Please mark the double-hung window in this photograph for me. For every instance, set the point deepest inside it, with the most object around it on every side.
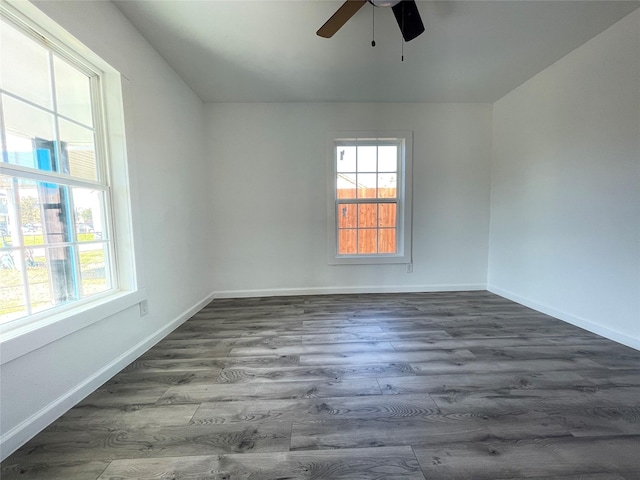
(56, 234)
(370, 198)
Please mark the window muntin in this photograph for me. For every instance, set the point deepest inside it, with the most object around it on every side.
(56, 246)
(369, 194)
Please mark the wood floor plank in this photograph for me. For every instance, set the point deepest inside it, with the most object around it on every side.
(286, 330)
(539, 400)
(426, 430)
(311, 372)
(308, 349)
(58, 470)
(183, 468)
(231, 392)
(178, 365)
(203, 341)
(487, 366)
(130, 416)
(210, 364)
(213, 334)
(114, 395)
(370, 464)
(495, 330)
(497, 459)
(78, 443)
(599, 421)
(613, 378)
(444, 385)
(579, 476)
(378, 336)
(472, 382)
(164, 352)
(599, 353)
(162, 379)
(364, 407)
(363, 358)
(532, 340)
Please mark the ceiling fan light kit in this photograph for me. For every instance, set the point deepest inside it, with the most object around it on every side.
(405, 11)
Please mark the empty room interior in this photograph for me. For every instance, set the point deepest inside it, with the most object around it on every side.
(236, 246)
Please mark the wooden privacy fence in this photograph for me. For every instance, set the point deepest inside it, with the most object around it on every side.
(367, 228)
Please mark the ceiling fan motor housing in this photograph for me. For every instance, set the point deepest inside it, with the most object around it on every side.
(384, 3)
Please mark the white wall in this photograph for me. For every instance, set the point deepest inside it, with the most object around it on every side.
(565, 206)
(270, 181)
(167, 135)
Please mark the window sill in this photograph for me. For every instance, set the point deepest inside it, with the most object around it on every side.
(17, 341)
(369, 260)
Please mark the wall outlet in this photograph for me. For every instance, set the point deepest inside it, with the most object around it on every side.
(144, 308)
(409, 267)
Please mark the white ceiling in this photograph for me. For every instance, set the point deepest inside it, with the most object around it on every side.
(267, 50)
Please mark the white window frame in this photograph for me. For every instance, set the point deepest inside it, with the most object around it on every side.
(21, 336)
(404, 139)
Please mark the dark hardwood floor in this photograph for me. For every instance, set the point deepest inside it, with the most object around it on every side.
(463, 385)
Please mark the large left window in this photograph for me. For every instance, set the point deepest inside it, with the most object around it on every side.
(56, 235)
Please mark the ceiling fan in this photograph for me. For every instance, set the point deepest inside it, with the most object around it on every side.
(405, 11)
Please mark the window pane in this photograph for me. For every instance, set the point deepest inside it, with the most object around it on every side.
(24, 66)
(8, 213)
(387, 185)
(88, 214)
(387, 215)
(388, 158)
(30, 133)
(346, 185)
(347, 216)
(347, 241)
(38, 274)
(79, 148)
(346, 159)
(367, 185)
(387, 240)
(57, 219)
(30, 213)
(367, 215)
(73, 92)
(62, 267)
(12, 300)
(93, 269)
(367, 240)
(367, 159)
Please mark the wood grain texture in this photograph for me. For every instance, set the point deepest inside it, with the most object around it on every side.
(451, 385)
(398, 463)
(58, 470)
(225, 392)
(544, 457)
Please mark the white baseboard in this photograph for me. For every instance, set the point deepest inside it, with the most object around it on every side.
(286, 292)
(23, 432)
(569, 318)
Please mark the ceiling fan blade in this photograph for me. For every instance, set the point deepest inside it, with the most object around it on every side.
(408, 18)
(338, 19)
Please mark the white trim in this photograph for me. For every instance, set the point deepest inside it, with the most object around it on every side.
(19, 341)
(569, 318)
(275, 292)
(23, 432)
(51, 177)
